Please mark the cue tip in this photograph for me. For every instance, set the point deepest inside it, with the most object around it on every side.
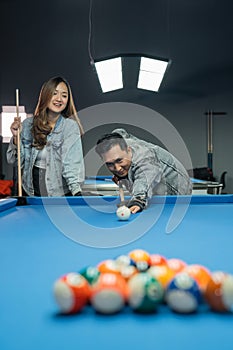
(122, 204)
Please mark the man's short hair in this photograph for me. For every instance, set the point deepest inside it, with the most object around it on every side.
(107, 141)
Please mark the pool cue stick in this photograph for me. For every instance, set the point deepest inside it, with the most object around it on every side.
(210, 148)
(121, 192)
(18, 147)
(122, 195)
(210, 140)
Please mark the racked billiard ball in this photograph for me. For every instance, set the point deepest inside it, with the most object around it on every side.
(219, 292)
(157, 259)
(177, 265)
(71, 293)
(139, 255)
(200, 273)
(90, 273)
(125, 266)
(128, 271)
(145, 293)
(108, 265)
(227, 289)
(123, 260)
(162, 273)
(183, 294)
(109, 293)
(142, 266)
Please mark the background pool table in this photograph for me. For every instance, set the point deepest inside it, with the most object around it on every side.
(104, 185)
(47, 238)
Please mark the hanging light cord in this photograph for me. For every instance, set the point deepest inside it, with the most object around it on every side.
(168, 27)
(90, 33)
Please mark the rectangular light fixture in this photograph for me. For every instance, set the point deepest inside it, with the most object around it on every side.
(109, 73)
(6, 119)
(151, 73)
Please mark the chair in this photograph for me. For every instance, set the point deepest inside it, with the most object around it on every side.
(214, 188)
(203, 173)
(223, 179)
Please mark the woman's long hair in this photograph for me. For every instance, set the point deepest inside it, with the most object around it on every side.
(41, 127)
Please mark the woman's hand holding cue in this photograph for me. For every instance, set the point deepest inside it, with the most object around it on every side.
(15, 126)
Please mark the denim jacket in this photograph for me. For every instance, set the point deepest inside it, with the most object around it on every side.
(64, 163)
(154, 171)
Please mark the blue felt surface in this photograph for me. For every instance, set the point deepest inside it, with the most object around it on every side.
(34, 253)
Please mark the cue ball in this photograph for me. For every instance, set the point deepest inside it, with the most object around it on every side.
(123, 213)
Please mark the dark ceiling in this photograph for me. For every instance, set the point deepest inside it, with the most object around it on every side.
(50, 37)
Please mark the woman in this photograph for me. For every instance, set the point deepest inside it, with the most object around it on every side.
(50, 144)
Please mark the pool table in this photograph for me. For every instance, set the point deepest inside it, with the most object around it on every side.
(49, 237)
(103, 185)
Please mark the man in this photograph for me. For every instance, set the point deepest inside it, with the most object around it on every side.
(143, 168)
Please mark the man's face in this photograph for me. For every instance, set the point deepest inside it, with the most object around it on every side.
(118, 161)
